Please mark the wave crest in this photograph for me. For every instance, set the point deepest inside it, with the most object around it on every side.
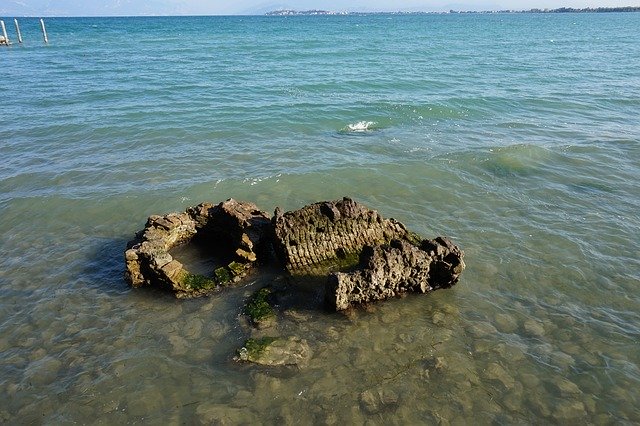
(361, 126)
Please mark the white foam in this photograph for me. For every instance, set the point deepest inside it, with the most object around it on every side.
(360, 126)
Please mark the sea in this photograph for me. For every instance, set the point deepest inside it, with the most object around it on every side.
(516, 135)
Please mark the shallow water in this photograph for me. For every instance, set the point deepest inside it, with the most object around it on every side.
(516, 135)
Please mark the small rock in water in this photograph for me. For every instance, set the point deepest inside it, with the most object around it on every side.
(540, 407)
(374, 401)
(566, 387)
(180, 345)
(495, 372)
(438, 318)
(562, 360)
(144, 402)
(509, 352)
(534, 328)
(483, 329)
(193, 329)
(441, 363)
(270, 351)
(505, 323)
(220, 414)
(567, 410)
(43, 371)
(297, 316)
(530, 381)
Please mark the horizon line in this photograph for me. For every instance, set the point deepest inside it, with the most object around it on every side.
(274, 13)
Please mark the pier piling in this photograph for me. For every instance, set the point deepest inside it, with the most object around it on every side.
(15, 21)
(5, 37)
(44, 31)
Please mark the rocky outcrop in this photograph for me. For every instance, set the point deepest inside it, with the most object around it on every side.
(341, 251)
(382, 257)
(239, 228)
(328, 230)
(387, 271)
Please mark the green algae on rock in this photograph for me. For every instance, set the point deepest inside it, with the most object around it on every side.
(275, 351)
(259, 310)
(240, 226)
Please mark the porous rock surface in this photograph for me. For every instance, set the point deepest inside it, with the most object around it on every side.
(392, 260)
(239, 226)
(327, 230)
(387, 271)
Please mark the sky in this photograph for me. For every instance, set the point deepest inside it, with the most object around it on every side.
(249, 7)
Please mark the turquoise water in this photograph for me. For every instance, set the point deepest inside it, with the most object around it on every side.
(516, 135)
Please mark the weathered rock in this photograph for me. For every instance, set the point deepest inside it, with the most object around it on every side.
(341, 234)
(329, 230)
(238, 228)
(271, 351)
(389, 270)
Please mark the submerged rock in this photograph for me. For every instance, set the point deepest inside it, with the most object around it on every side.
(273, 351)
(259, 310)
(377, 400)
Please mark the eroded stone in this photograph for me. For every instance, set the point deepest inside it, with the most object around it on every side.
(239, 227)
(399, 267)
(342, 234)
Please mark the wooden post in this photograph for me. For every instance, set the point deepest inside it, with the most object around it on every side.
(4, 33)
(15, 21)
(44, 31)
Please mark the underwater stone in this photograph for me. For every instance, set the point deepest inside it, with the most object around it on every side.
(374, 401)
(271, 351)
(534, 328)
(259, 309)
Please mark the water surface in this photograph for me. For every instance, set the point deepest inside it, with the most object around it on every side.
(516, 135)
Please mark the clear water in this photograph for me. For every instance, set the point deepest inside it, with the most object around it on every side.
(516, 135)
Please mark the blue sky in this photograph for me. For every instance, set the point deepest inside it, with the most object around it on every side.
(220, 7)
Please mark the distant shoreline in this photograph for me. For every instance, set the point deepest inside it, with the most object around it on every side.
(291, 12)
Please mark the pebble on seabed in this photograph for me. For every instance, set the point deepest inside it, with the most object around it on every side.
(494, 371)
(505, 323)
(565, 387)
(483, 329)
(534, 328)
(566, 410)
(43, 371)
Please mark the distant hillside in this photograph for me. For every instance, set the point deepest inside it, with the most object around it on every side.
(291, 12)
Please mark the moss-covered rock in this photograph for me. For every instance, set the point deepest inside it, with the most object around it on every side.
(222, 275)
(198, 282)
(259, 309)
(272, 351)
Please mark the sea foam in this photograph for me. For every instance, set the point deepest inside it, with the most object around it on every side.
(361, 126)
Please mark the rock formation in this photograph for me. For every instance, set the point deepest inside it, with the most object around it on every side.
(329, 230)
(341, 248)
(389, 259)
(386, 271)
(239, 229)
